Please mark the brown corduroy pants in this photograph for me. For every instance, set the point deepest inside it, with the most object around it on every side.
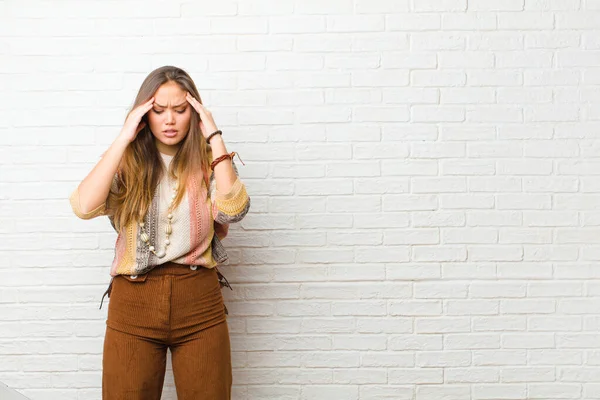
(175, 307)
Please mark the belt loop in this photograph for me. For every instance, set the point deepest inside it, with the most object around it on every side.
(107, 292)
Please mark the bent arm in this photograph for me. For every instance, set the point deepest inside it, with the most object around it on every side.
(233, 205)
(88, 200)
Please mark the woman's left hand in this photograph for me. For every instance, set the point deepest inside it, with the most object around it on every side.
(207, 123)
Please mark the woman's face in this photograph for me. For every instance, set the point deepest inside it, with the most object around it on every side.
(169, 118)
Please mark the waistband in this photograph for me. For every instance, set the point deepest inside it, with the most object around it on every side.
(171, 268)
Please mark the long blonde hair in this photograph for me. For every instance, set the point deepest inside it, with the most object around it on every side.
(141, 167)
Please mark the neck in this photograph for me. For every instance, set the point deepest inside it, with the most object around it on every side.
(166, 149)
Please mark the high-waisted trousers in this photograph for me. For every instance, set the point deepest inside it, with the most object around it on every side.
(173, 306)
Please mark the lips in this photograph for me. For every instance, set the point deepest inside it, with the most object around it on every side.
(170, 133)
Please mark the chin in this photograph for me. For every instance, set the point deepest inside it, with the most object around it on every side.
(172, 141)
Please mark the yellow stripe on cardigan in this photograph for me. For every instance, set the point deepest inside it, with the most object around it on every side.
(234, 201)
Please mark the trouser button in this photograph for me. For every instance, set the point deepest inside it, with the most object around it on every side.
(133, 276)
(193, 267)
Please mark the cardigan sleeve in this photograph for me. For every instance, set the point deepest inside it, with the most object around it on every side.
(76, 207)
(231, 206)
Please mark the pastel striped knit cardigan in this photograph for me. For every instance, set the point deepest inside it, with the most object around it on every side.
(197, 245)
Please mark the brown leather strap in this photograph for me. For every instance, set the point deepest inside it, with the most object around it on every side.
(224, 156)
(107, 292)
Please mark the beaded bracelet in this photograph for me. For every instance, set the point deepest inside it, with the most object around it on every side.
(224, 156)
(213, 134)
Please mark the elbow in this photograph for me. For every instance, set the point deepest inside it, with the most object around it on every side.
(88, 214)
(225, 218)
(81, 213)
(232, 206)
(244, 211)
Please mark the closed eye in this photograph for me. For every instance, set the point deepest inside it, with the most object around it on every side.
(179, 112)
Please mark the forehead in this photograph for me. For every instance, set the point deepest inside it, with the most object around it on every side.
(169, 94)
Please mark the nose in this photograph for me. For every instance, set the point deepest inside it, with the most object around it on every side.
(170, 117)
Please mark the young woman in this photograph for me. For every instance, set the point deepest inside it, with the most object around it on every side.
(170, 191)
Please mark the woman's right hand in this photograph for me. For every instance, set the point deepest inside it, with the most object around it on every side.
(134, 124)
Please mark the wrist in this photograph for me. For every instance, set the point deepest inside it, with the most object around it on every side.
(211, 138)
(216, 138)
(122, 140)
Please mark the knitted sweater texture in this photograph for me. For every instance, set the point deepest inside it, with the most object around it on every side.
(193, 239)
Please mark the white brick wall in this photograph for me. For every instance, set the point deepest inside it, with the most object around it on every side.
(424, 176)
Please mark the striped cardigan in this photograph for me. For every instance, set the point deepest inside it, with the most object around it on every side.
(204, 205)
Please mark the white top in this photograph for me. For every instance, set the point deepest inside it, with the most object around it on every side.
(179, 238)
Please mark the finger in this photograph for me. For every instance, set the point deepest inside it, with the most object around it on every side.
(147, 106)
(190, 98)
(141, 111)
(150, 102)
(193, 102)
(197, 105)
(144, 106)
(201, 106)
(193, 99)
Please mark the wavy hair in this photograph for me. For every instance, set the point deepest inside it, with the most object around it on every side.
(141, 167)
